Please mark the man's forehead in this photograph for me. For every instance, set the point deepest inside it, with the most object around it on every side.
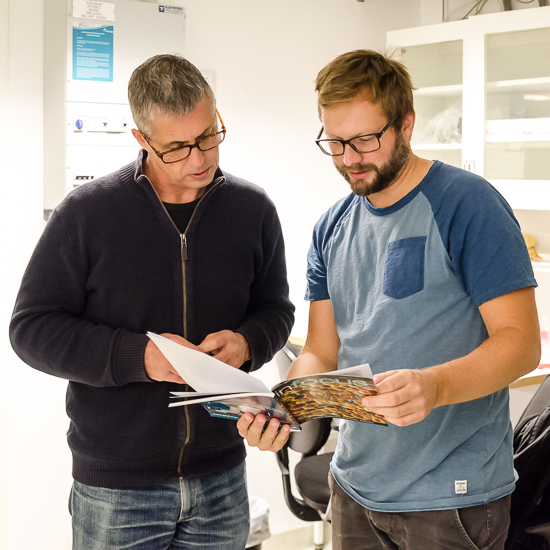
(353, 117)
(183, 127)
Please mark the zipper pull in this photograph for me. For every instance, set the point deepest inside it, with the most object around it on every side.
(183, 246)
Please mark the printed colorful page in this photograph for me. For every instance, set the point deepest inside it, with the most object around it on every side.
(335, 394)
(234, 407)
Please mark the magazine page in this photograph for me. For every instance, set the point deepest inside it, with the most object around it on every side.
(203, 372)
(335, 394)
(233, 407)
(193, 397)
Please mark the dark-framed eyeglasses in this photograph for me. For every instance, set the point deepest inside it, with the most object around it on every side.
(367, 143)
(178, 154)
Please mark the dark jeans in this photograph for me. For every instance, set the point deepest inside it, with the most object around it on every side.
(203, 513)
(483, 527)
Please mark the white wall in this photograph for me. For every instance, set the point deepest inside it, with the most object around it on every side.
(38, 462)
(265, 56)
(431, 12)
(3, 327)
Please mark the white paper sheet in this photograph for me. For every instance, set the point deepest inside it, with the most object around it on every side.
(204, 373)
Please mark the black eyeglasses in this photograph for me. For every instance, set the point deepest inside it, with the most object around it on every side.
(178, 154)
(367, 143)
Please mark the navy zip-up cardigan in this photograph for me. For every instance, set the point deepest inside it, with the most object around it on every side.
(111, 266)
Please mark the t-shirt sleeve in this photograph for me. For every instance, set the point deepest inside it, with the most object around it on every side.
(317, 283)
(317, 288)
(484, 241)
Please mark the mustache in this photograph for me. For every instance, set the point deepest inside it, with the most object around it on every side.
(357, 168)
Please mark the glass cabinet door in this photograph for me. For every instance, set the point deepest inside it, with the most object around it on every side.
(436, 72)
(517, 141)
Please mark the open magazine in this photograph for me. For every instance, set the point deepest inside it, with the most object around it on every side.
(227, 392)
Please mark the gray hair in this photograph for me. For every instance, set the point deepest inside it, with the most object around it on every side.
(166, 85)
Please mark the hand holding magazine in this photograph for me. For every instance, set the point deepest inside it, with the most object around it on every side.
(227, 392)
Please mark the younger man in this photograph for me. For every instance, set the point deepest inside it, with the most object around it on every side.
(422, 272)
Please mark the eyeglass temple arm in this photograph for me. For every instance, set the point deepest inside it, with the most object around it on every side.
(223, 125)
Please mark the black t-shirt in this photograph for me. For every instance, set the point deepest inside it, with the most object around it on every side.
(181, 213)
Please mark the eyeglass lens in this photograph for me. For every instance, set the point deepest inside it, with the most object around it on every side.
(361, 144)
(205, 144)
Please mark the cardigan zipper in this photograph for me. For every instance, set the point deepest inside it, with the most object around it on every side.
(186, 409)
(183, 254)
(183, 237)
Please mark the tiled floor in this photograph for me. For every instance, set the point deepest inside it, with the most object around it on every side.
(299, 539)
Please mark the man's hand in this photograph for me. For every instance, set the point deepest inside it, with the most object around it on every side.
(405, 396)
(226, 346)
(157, 366)
(252, 429)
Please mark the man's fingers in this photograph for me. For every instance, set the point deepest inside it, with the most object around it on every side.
(269, 435)
(223, 349)
(244, 423)
(391, 381)
(213, 342)
(226, 346)
(281, 439)
(250, 428)
(270, 439)
(168, 377)
(273, 437)
(175, 377)
(179, 340)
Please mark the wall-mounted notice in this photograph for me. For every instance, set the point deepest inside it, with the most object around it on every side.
(171, 10)
(90, 9)
(92, 52)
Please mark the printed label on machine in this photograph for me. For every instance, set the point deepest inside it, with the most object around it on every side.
(91, 9)
(172, 10)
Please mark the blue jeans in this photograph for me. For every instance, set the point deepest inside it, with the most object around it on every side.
(206, 513)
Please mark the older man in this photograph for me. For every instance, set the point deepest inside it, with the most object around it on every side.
(169, 244)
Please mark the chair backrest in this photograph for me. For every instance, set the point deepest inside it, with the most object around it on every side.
(532, 463)
(308, 442)
(313, 436)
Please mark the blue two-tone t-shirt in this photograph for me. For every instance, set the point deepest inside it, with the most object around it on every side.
(405, 283)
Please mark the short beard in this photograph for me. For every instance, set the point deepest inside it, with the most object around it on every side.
(385, 176)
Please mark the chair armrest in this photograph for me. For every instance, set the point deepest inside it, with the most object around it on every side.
(297, 506)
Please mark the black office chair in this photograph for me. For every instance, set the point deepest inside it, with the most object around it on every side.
(311, 471)
(530, 511)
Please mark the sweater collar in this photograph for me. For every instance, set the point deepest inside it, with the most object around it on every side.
(141, 179)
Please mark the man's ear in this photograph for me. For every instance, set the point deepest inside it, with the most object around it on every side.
(408, 125)
(139, 139)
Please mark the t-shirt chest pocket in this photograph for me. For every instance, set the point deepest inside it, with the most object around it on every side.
(404, 268)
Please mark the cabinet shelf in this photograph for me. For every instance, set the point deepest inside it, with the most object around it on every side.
(515, 144)
(523, 85)
(454, 90)
(542, 265)
(436, 146)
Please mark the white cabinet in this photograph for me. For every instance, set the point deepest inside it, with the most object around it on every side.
(482, 98)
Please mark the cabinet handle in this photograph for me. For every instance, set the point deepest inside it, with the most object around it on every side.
(470, 165)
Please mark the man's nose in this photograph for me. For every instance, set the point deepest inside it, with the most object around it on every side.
(351, 156)
(196, 157)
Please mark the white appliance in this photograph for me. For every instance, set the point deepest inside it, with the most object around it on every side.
(91, 49)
